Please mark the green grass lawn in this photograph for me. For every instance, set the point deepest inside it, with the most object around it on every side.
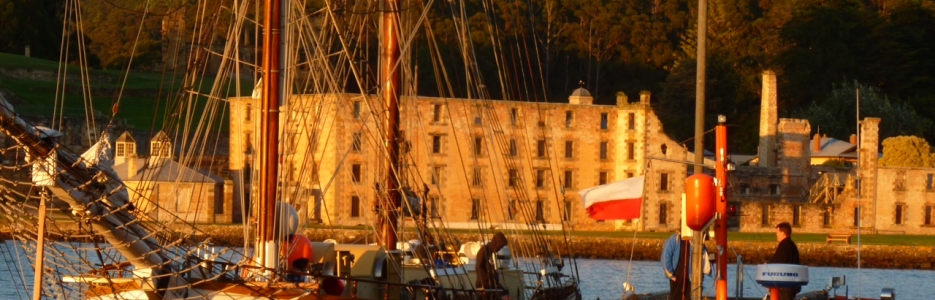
(144, 92)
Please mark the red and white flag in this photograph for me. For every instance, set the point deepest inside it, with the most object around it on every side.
(619, 200)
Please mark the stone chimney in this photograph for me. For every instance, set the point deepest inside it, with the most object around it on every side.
(644, 97)
(869, 148)
(622, 99)
(853, 139)
(794, 157)
(768, 121)
(581, 96)
(816, 143)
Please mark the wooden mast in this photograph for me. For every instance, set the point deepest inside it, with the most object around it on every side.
(268, 162)
(389, 92)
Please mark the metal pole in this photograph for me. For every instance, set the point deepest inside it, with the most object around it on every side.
(738, 293)
(721, 205)
(697, 238)
(700, 83)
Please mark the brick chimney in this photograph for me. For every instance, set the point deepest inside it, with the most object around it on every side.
(816, 143)
(853, 139)
(622, 99)
(644, 97)
(768, 121)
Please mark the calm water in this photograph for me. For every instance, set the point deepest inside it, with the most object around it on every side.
(604, 279)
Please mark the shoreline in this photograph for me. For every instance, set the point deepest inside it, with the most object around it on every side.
(752, 253)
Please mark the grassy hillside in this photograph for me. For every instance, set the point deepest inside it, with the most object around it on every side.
(35, 82)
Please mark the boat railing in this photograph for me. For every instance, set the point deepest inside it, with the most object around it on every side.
(322, 271)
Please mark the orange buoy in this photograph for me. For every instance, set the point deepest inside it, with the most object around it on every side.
(699, 200)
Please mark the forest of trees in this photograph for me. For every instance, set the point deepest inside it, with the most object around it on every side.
(822, 52)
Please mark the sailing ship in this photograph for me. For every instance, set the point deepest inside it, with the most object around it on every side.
(123, 246)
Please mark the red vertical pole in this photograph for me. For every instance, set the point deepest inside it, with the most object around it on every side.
(269, 123)
(389, 73)
(721, 199)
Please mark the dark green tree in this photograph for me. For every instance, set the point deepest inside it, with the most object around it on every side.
(33, 23)
(836, 114)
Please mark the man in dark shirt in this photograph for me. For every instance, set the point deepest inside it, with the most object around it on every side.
(487, 277)
(786, 253)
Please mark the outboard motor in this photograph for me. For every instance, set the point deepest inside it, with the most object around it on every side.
(775, 276)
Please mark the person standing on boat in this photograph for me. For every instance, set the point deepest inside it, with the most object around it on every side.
(487, 276)
(676, 263)
(786, 253)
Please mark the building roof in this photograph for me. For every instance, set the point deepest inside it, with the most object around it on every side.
(126, 138)
(831, 147)
(581, 92)
(169, 170)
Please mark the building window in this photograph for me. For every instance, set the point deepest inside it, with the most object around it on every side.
(511, 210)
(774, 190)
(796, 212)
(569, 119)
(540, 148)
(540, 211)
(764, 217)
(218, 205)
(478, 179)
(857, 216)
(928, 182)
(248, 143)
(745, 189)
(900, 214)
(569, 149)
(630, 153)
(514, 151)
(631, 121)
(541, 123)
(249, 112)
(478, 146)
(436, 175)
(436, 144)
(433, 206)
(479, 116)
(540, 179)
(355, 142)
(121, 150)
(514, 116)
(567, 215)
(602, 178)
(355, 173)
(826, 217)
(663, 213)
(355, 206)
(436, 113)
(357, 110)
(605, 120)
(475, 209)
(514, 177)
(928, 215)
(568, 178)
(629, 174)
(604, 150)
(663, 181)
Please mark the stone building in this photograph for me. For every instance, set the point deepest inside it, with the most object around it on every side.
(477, 163)
(169, 191)
(813, 184)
